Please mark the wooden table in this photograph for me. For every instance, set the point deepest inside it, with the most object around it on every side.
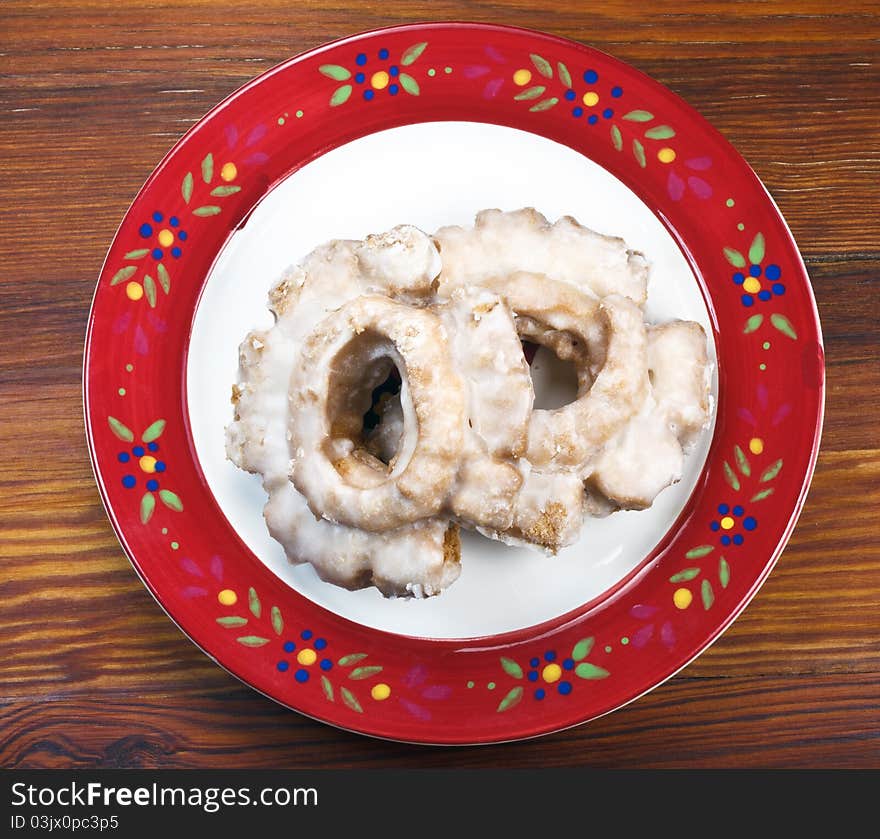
(94, 674)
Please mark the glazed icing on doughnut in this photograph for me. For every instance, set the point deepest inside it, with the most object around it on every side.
(460, 443)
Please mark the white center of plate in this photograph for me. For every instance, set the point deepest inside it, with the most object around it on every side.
(430, 175)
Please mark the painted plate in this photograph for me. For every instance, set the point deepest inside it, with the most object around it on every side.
(426, 124)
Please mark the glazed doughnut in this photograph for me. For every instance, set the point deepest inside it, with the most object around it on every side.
(502, 243)
(330, 390)
(674, 411)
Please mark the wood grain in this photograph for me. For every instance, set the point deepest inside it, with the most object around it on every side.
(93, 674)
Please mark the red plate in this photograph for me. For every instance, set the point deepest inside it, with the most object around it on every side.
(523, 683)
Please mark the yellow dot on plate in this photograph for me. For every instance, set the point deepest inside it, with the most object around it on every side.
(727, 523)
(166, 237)
(751, 285)
(134, 291)
(147, 463)
(379, 80)
(306, 656)
(756, 445)
(380, 691)
(228, 597)
(682, 598)
(591, 98)
(551, 673)
(522, 77)
(228, 172)
(121, 391)
(666, 155)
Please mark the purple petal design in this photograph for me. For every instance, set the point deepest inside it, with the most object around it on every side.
(675, 187)
(141, 344)
(474, 71)
(256, 158)
(231, 133)
(193, 591)
(416, 710)
(122, 323)
(416, 676)
(699, 187)
(699, 163)
(156, 322)
(641, 612)
(217, 567)
(493, 53)
(763, 396)
(490, 91)
(259, 131)
(436, 692)
(667, 635)
(781, 414)
(190, 567)
(642, 636)
(747, 415)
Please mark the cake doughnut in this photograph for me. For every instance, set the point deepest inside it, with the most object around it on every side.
(419, 559)
(502, 243)
(330, 389)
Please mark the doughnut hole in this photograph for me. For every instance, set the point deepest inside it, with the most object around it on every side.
(365, 382)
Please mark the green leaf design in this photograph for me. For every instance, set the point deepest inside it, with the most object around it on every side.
(353, 658)
(335, 71)
(685, 575)
(231, 620)
(783, 324)
(208, 168)
(707, 594)
(511, 668)
(224, 191)
(148, 504)
(252, 640)
(639, 153)
(123, 432)
(723, 572)
(616, 138)
(660, 132)
(564, 75)
(753, 323)
(150, 290)
(411, 54)
(771, 472)
(123, 274)
(327, 687)
(164, 277)
(351, 700)
(206, 210)
(171, 500)
(735, 258)
(701, 550)
(254, 602)
(639, 116)
(530, 93)
(545, 104)
(138, 254)
(590, 671)
(513, 696)
(582, 649)
(756, 250)
(365, 672)
(153, 431)
(730, 476)
(409, 84)
(543, 66)
(277, 620)
(742, 461)
(764, 493)
(340, 95)
(186, 188)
